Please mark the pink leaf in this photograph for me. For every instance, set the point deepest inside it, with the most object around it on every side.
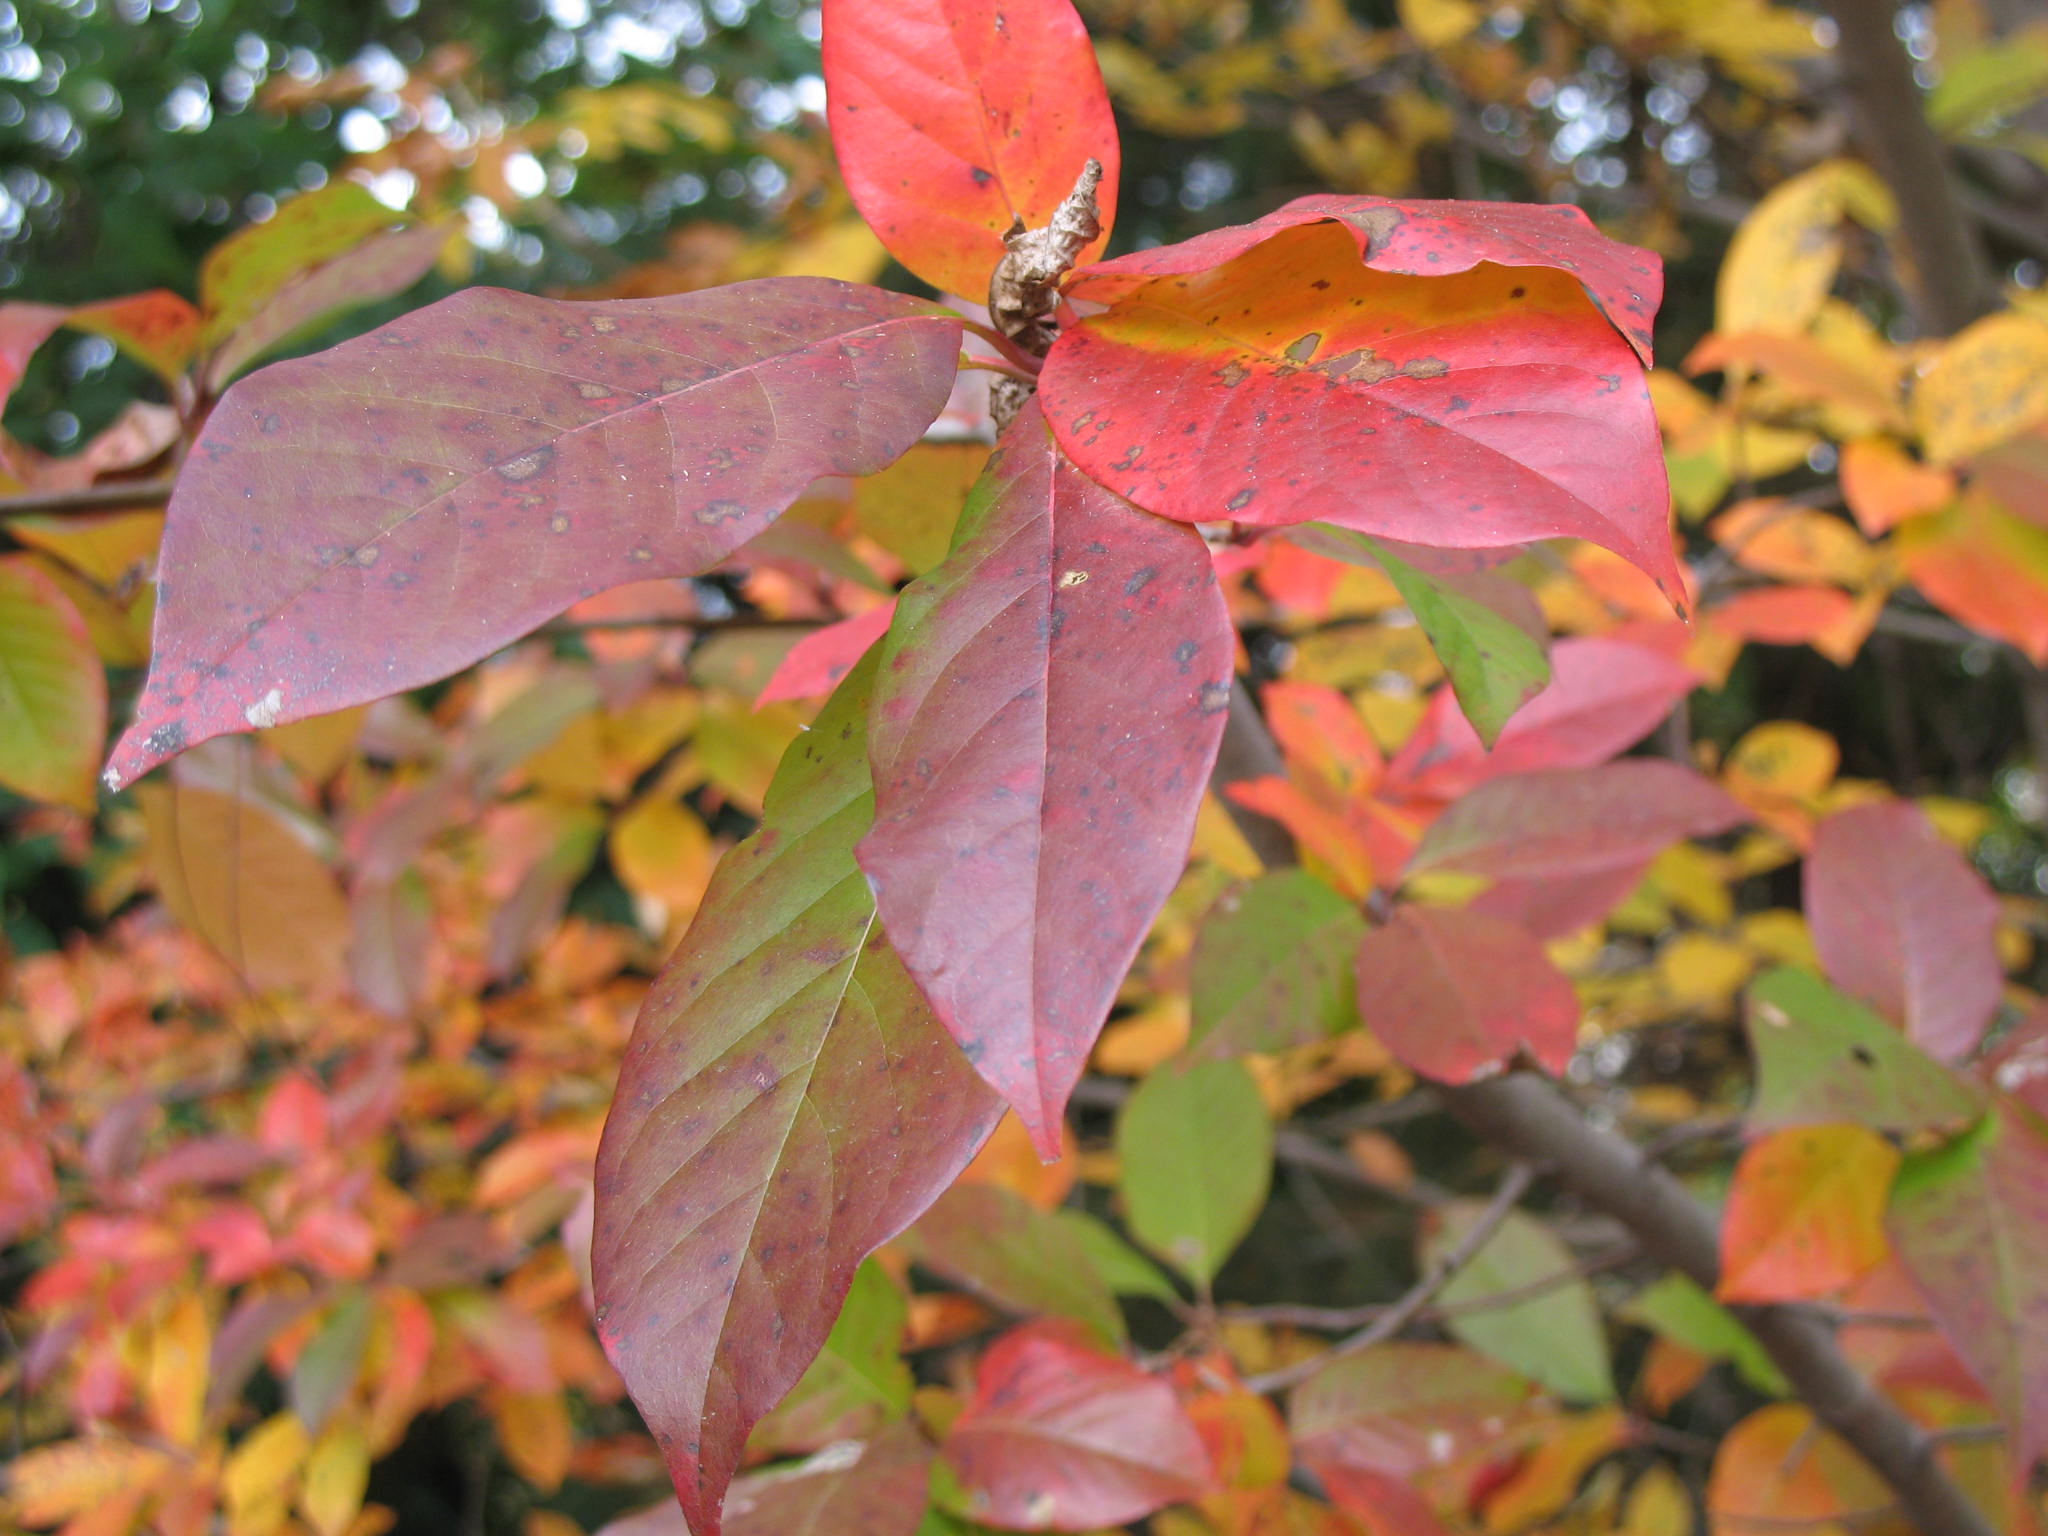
(1059, 1436)
(377, 516)
(1902, 922)
(1051, 699)
(816, 663)
(1575, 821)
(787, 1105)
(1604, 697)
(1455, 994)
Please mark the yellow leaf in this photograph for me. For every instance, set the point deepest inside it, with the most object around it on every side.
(1658, 1505)
(175, 1386)
(662, 852)
(1783, 259)
(1782, 759)
(1438, 23)
(534, 1433)
(318, 745)
(261, 1474)
(55, 1482)
(1702, 973)
(910, 507)
(1984, 385)
(845, 249)
(1779, 937)
(549, 1522)
(1554, 1467)
(337, 1475)
(1695, 881)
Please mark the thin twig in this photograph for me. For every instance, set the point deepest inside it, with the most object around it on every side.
(1343, 1319)
(1513, 1185)
(91, 498)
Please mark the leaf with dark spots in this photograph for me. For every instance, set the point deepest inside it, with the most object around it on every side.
(1455, 994)
(1060, 1436)
(1575, 821)
(1901, 921)
(1822, 1058)
(787, 1105)
(1041, 743)
(955, 119)
(1431, 409)
(1423, 238)
(384, 513)
(1970, 1223)
(1271, 967)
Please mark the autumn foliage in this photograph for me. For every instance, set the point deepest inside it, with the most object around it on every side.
(779, 889)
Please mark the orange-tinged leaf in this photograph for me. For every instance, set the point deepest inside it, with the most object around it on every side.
(1779, 1465)
(1009, 1159)
(246, 881)
(1794, 615)
(660, 849)
(55, 1482)
(535, 1434)
(954, 119)
(1794, 543)
(53, 691)
(1985, 384)
(1784, 257)
(158, 328)
(1984, 566)
(1805, 1214)
(1884, 485)
(175, 1386)
(1550, 1474)
(1801, 366)
(336, 1478)
(110, 549)
(261, 1474)
(1321, 736)
(1340, 394)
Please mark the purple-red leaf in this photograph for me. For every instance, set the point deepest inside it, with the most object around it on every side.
(1575, 821)
(1901, 921)
(1292, 384)
(816, 663)
(787, 1105)
(1422, 238)
(1970, 1222)
(1059, 1436)
(851, 1489)
(954, 118)
(1455, 994)
(386, 512)
(1049, 704)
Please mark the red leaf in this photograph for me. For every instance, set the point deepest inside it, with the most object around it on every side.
(351, 524)
(1901, 921)
(23, 329)
(1575, 821)
(953, 119)
(1454, 994)
(816, 663)
(787, 1105)
(1422, 238)
(1059, 1436)
(876, 1489)
(1604, 696)
(1051, 700)
(1291, 385)
(1969, 1221)
(1549, 908)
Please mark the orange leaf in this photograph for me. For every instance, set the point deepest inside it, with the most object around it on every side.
(1805, 1214)
(1778, 1468)
(1884, 485)
(534, 1430)
(1982, 565)
(55, 1482)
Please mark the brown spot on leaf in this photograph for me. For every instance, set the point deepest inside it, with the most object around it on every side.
(1233, 373)
(1072, 578)
(1302, 348)
(527, 465)
(1425, 368)
(1242, 499)
(712, 513)
(1215, 698)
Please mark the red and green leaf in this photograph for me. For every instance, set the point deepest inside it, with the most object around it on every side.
(1271, 967)
(1902, 922)
(1456, 994)
(1805, 1213)
(788, 1103)
(53, 690)
(955, 119)
(1049, 703)
(1970, 1223)
(1292, 385)
(1060, 1436)
(347, 522)
(1007, 1251)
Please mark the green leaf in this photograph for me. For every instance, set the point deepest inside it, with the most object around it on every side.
(245, 271)
(53, 691)
(328, 1365)
(1128, 1271)
(1195, 1148)
(998, 1245)
(1678, 1309)
(1554, 1336)
(859, 1381)
(1822, 1058)
(1496, 665)
(1272, 967)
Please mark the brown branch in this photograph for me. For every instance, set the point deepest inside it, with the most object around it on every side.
(1526, 1117)
(1950, 282)
(92, 498)
(1418, 1297)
